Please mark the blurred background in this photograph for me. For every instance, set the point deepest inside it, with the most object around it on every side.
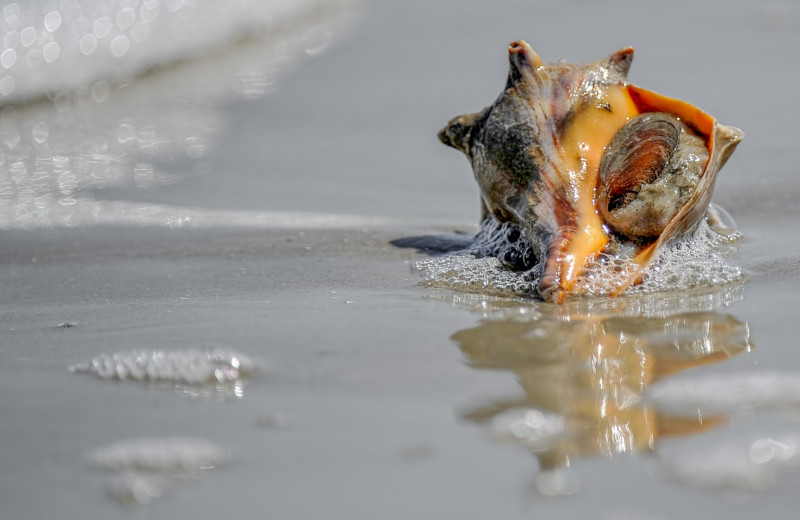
(114, 110)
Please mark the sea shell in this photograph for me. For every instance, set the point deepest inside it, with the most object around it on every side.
(588, 164)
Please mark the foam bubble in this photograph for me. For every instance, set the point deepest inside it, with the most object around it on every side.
(142, 470)
(726, 393)
(204, 373)
(170, 455)
(741, 464)
(535, 429)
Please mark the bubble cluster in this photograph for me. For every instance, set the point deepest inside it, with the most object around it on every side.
(534, 429)
(506, 242)
(142, 470)
(741, 464)
(697, 260)
(727, 393)
(167, 455)
(485, 275)
(188, 369)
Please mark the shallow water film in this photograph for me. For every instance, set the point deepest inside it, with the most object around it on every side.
(226, 289)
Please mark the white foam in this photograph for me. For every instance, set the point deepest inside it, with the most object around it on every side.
(721, 393)
(132, 488)
(145, 468)
(751, 465)
(171, 455)
(699, 260)
(535, 429)
(561, 481)
(196, 372)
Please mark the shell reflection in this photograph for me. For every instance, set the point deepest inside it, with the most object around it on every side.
(584, 380)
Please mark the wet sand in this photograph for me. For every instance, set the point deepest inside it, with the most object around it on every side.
(374, 396)
(363, 400)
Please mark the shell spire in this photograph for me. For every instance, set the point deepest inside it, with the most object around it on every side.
(522, 61)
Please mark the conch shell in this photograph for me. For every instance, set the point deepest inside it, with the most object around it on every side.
(588, 164)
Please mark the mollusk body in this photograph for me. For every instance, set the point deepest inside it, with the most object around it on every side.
(587, 164)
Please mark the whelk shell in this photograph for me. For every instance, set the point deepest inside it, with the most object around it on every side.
(587, 163)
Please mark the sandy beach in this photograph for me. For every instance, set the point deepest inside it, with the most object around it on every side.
(263, 224)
